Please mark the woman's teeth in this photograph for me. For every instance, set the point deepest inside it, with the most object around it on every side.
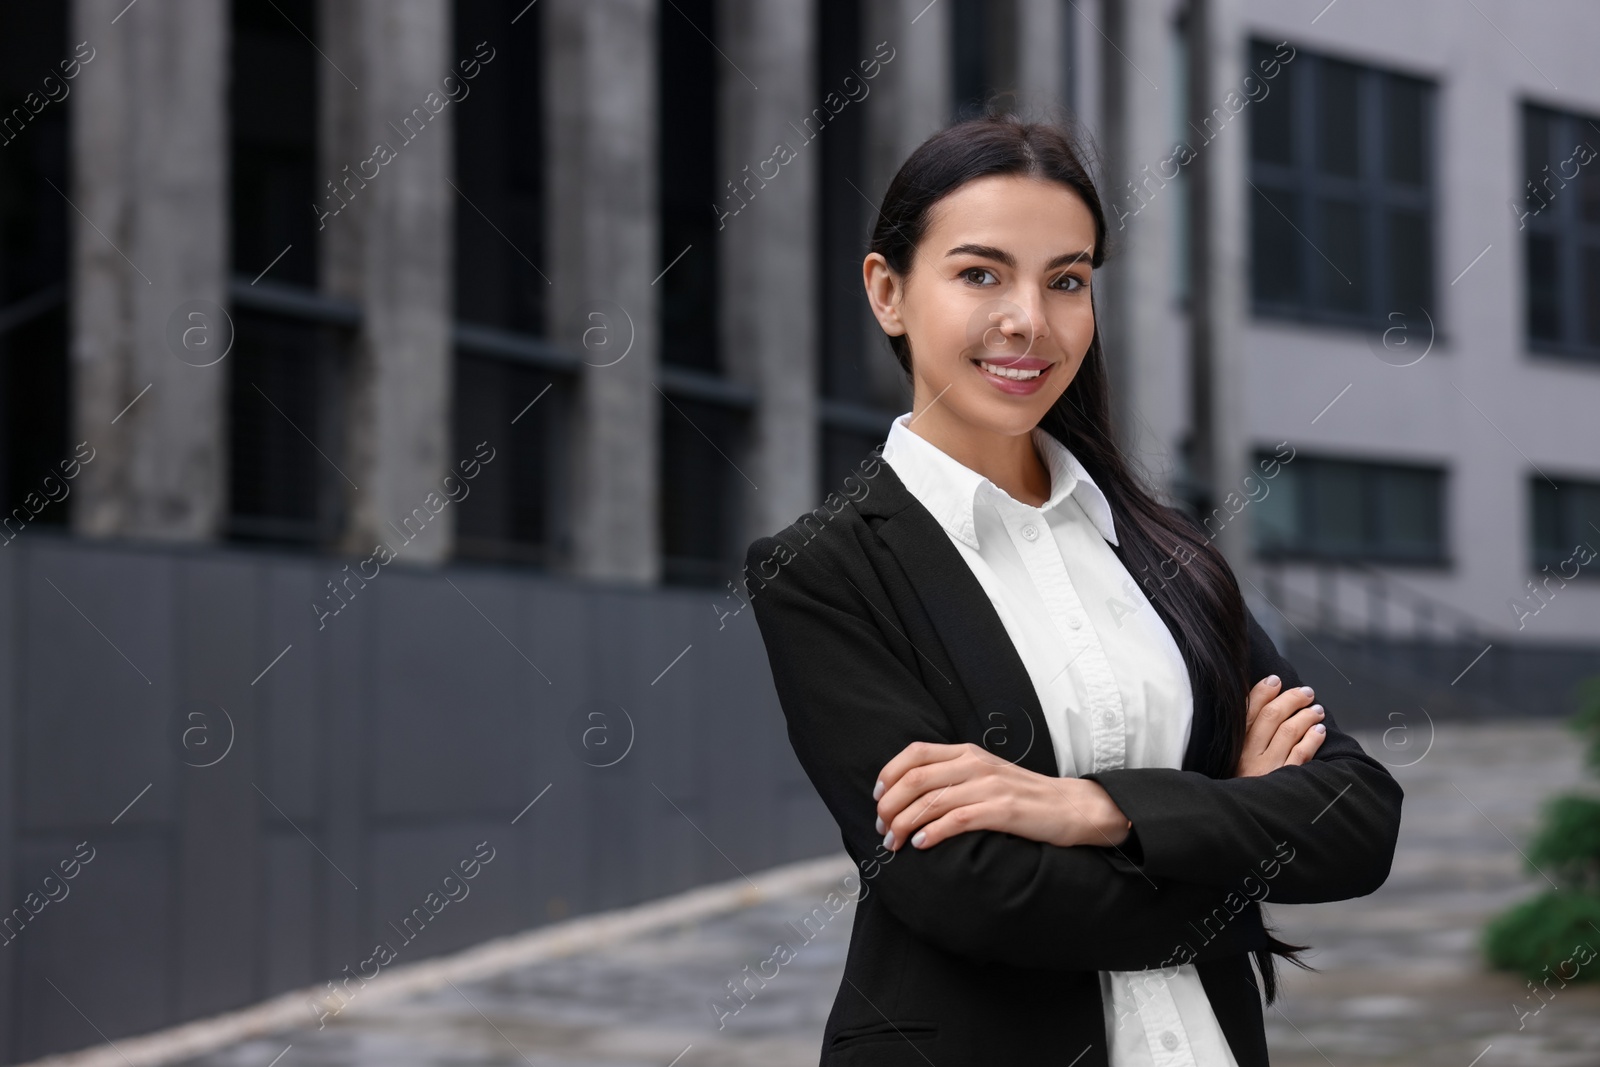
(1009, 372)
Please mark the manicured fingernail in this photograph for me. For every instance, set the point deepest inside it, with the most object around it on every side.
(1271, 679)
(919, 837)
(888, 839)
(1318, 709)
(879, 823)
(1319, 728)
(1308, 691)
(877, 791)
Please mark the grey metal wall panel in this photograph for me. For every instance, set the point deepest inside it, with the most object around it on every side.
(371, 748)
(216, 621)
(108, 949)
(447, 732)
(94, 731)
(290, 928)
(418, 869)
(11, 565)
(292, 709)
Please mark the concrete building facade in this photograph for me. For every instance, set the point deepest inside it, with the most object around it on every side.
(636, 229)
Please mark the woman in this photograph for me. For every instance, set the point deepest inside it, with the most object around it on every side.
(1022, 686)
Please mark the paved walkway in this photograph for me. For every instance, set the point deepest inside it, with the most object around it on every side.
(1402, 981)
(1399, 982)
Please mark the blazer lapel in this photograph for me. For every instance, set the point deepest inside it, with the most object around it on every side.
(1004, 706)
(1005, 709)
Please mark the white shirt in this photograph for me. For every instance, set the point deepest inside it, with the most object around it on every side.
(1109, 676)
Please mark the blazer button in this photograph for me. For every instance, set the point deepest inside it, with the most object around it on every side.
(1169, 1040)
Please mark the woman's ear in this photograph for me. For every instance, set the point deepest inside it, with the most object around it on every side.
(884, 291)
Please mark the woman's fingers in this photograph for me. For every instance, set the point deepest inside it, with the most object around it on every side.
(923, 768)
(913, 755)
(1306, 748)
(1281, 707)
(1274, 724)
(940, 813)
(1258, 696)
(958, 820)
(1293, 731)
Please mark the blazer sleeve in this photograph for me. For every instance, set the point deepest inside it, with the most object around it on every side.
(851, 704)
(1332, 822)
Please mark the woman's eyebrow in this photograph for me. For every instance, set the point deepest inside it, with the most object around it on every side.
(1002, 256)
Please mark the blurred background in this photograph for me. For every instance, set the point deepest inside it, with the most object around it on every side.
(389, 389)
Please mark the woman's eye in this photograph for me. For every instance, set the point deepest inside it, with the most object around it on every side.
(979, 272)
(1071, 278)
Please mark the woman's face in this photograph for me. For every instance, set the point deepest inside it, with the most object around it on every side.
(996, 303)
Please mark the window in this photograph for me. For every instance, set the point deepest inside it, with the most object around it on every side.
(1346, 509)
(1341, 209)
(1178, 51)
(705, 417)
(1559, 215)
(1566, 517)
(853, 361)
(689, 186)
(512, 387)
(983, 59)
(285, 370)
(34, 383)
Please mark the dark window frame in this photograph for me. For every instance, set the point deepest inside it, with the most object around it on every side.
(280, 323)
(707, 418)
(1559, 221)
(1573, 503)
(511, 386)
(1372, 194)
(852, 419)
(983, 55)
(36, 225)
(1370, 472)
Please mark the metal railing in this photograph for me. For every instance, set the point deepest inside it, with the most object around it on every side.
(1352, 599)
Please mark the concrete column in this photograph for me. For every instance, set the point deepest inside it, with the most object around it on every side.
(1042, 64)
(396, 261)
(149, 268)
(1218, 278)
(768, 261)
(910, 102)
(912, 93)
(600, 88)
(1136, 282)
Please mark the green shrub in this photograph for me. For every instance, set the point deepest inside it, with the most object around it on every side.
(1557, 934)
(1567, 846)
(1559, 930)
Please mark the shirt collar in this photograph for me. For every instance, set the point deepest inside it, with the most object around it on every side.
(949, 489)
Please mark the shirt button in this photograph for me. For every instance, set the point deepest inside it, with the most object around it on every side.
(1030, 531)
(1107, 718)
(1075, 622)
(1169, 1040)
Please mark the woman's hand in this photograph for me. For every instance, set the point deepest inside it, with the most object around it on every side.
(930, 792)
(1281, 730)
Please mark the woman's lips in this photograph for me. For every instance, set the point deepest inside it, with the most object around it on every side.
(1015, 386)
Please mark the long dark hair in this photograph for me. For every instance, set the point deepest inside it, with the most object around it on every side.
(1201, 603)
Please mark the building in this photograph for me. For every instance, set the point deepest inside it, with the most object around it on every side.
(590, 225)
(277, 275)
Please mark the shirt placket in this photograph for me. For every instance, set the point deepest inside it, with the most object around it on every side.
(1158, 1014)
(1041, 555)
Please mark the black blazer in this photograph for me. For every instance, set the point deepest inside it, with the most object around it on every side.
(985, 948)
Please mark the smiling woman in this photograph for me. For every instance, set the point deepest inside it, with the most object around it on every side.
(1085, 774)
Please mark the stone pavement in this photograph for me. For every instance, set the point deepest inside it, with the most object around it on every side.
(1399, 982)
(1402, 981)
